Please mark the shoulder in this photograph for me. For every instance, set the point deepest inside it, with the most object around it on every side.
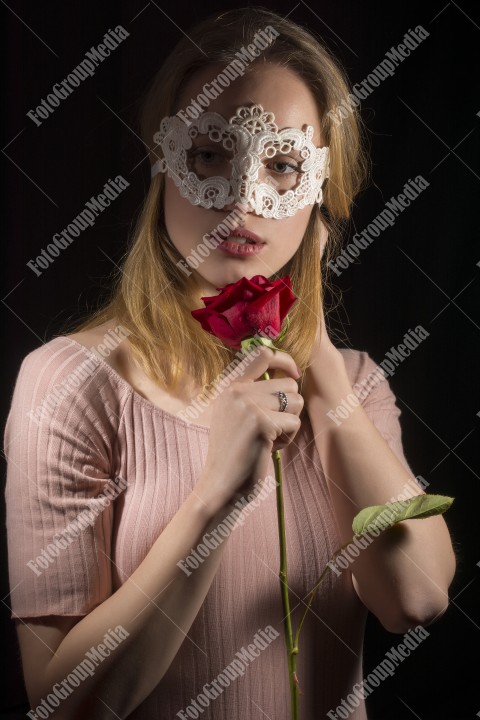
(368, 378)
(371, 386)
(358, 363)
(61, 360)
(105, 341)
(64, 380)
(86, 354)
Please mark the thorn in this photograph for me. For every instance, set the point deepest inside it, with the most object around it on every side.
(296, 683)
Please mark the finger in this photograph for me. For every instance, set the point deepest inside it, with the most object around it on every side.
(271, 403)
(295, 403)
(266, 394)
(282, 424)
(263, 359)
(283, 441)
(287, 429)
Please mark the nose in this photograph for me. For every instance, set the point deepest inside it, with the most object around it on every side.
(241, 209)
(245, 188)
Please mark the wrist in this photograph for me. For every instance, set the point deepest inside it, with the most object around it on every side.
(206, 501)
(326, 380)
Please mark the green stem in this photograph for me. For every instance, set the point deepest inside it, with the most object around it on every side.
(291, 645)
(292, 650)
(315, 588)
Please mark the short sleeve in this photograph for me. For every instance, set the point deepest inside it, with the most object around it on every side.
(372, 388)
(58, 445)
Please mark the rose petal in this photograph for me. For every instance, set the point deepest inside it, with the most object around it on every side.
(245, 308)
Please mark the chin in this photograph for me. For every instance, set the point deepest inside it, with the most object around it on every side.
(229, 275)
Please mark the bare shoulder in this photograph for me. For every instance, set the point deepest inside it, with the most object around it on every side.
(110, 342)
(107, 342)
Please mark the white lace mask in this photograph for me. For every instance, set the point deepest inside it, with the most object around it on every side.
(249, 142)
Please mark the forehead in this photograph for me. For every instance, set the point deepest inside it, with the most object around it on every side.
(278, 90)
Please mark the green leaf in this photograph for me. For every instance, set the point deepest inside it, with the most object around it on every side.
(381, 517)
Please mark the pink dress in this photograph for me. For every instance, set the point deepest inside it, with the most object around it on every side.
(74, 424)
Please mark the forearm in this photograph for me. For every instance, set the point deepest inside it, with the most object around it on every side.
(403, 576)
(156, 605)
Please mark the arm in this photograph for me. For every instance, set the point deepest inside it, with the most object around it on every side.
(404, 575)
(157, 605)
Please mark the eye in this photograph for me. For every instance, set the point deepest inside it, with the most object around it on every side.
(208, 156)
(282, 167)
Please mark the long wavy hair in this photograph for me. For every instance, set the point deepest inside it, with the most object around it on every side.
(152, 297)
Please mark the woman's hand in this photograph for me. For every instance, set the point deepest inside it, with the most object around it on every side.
(247, 426)
(326, 369)
(403, 577)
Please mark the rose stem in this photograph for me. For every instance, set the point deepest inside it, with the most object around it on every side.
(291, 650)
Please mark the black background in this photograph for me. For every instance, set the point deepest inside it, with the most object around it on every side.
(424, 270)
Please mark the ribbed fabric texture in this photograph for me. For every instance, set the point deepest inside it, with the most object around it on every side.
(59, 463)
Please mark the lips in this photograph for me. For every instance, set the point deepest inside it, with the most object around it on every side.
(247, 234)
(252, 246)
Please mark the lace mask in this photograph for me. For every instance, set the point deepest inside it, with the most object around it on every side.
(237, 150)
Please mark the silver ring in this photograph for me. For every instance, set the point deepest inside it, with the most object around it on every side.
(283, 400)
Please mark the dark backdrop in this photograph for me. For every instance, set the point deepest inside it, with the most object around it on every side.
(423, 270)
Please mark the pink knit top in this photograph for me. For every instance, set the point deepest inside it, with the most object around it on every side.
(74, 424)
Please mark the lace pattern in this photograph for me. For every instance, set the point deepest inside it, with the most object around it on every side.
(251, 134)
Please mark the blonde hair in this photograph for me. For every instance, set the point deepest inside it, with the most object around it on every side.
(153, 297)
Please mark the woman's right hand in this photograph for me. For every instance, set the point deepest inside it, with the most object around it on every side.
(247, 426)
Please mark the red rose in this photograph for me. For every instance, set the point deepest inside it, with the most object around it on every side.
(246, 308)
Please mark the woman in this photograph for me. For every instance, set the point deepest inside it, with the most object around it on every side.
(111, 489)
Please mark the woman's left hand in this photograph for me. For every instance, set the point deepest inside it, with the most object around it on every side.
(326, 375)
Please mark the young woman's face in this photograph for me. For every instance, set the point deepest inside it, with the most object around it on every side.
(280, 91)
